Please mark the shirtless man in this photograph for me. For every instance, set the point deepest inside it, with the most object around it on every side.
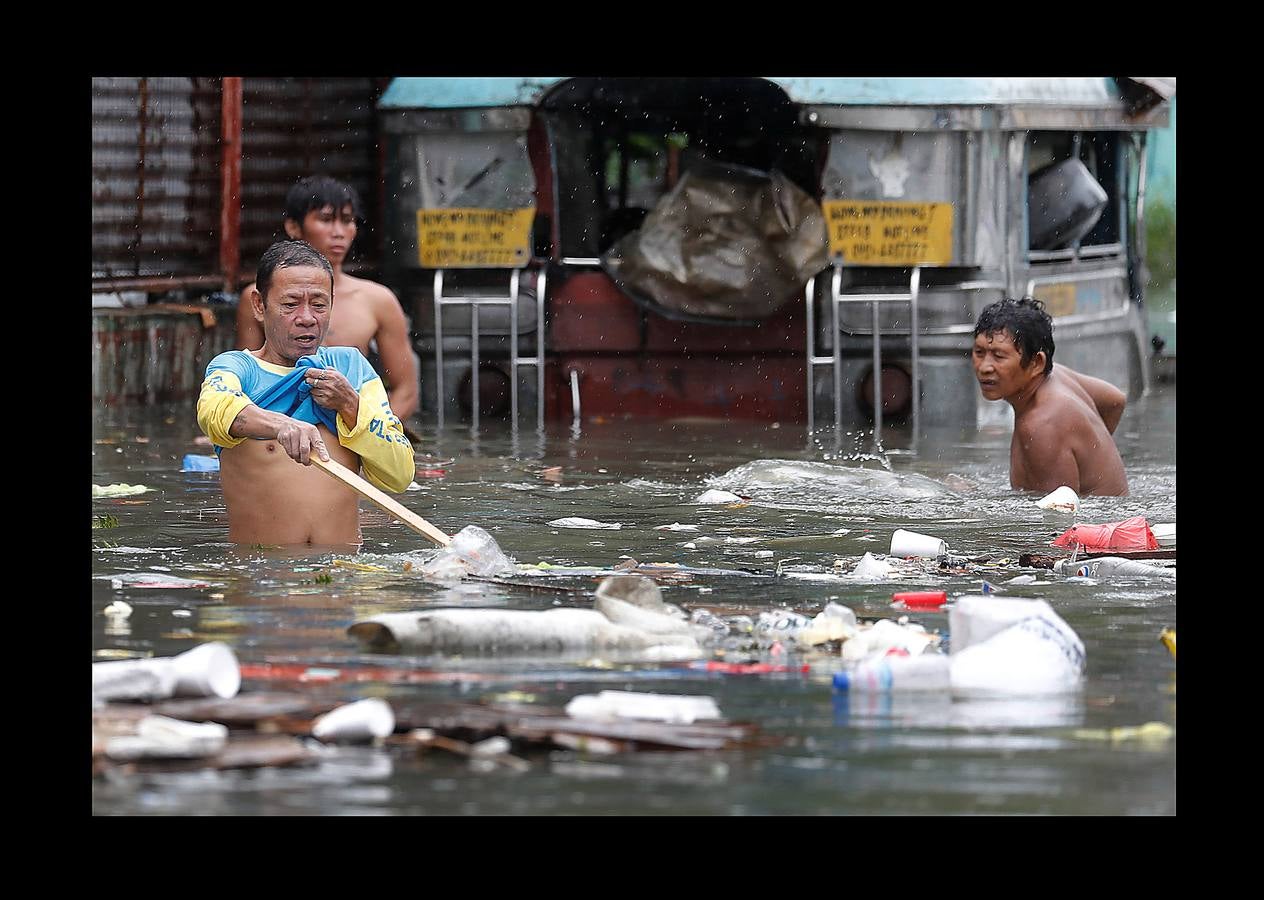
(325, 212)
(1063, 421)
(268, 409)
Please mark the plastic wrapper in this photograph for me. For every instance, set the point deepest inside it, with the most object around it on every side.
(472, 552)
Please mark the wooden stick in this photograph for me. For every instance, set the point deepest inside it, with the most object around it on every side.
(381, 500)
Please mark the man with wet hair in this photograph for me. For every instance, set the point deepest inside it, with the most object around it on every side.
(1063, 421)
(327, 213)
(267, 409)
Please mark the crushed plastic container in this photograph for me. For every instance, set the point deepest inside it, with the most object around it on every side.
(636, 602)
(472, 551)
(886, 636)
(1111, 567)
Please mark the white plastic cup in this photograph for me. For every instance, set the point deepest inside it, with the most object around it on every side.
(1061, 500)
(910, 543)
(133, 679)
(208, 670)
(363, 720)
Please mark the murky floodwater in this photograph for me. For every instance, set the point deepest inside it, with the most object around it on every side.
(833, 754)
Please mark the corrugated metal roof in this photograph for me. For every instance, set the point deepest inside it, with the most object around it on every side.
(951, 91)
(464, 93)
(456, 93)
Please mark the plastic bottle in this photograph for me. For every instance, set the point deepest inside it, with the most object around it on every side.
(1110, 566)
(927, 672)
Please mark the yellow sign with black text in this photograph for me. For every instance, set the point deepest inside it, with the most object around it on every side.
(474, 238)
(1059, 299)
(889, 232)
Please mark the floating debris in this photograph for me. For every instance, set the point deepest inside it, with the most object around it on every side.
(118, 490)
(580, 522)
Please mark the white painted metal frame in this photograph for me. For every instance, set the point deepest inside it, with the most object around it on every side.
(475, 302)
(837, 299)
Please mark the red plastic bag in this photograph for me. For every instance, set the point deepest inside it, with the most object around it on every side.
(1130, 534)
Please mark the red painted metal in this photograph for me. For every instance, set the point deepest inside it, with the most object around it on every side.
(541, 166)
(230, 182)
(591, 314)
(762, 387)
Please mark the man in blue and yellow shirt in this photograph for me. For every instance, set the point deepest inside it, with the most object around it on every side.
(269, 408)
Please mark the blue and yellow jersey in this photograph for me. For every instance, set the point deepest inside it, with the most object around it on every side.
(236, 379)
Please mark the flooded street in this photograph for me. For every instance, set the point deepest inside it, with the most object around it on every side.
(810, 504)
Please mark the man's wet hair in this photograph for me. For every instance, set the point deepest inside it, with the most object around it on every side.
(317, 192)
(1027, 323)
(285, 255)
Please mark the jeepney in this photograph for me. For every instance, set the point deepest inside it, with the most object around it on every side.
(770, 248)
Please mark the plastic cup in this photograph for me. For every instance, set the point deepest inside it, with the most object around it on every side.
(133, 679)
(208, 670)
(363, 720)
(910, 543)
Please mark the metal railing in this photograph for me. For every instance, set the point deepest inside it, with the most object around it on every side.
(837, 299)
(475, 302)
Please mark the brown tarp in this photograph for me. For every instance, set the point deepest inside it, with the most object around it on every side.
(724, 244)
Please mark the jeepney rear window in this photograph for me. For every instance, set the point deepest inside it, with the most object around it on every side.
(1057, 218)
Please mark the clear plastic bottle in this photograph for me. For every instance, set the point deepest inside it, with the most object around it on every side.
(925, 672)
(1108, 566)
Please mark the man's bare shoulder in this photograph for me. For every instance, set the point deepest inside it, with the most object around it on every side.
(1059, 415)
(370, 290)
(1055, 414)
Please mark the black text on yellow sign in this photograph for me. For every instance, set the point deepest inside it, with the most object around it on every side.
(890, 232)
(474, 238)
(1059, 299)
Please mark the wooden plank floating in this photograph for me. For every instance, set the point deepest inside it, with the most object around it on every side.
(244, 751)
(1046, 561)
(537, 725)
(277, 720)
(248, 710)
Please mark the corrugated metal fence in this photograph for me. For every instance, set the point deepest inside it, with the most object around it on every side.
(157, 156)
(155, 176)
(293, 127)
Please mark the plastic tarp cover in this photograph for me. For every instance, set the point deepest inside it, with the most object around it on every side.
(1130, 534)
(726, 243)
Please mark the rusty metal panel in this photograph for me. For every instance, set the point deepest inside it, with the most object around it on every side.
(293, 127)
(154, 354)
(155, 176)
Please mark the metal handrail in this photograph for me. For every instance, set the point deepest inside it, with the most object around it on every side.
(837, 300)
(475, 302)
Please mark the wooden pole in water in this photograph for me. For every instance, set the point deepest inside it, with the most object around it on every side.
(230, 184)
(384, 502)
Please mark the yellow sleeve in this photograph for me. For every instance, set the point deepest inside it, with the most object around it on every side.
(378, 439)
(219, 403)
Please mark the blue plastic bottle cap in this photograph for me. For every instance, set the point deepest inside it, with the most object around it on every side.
(842, 681)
